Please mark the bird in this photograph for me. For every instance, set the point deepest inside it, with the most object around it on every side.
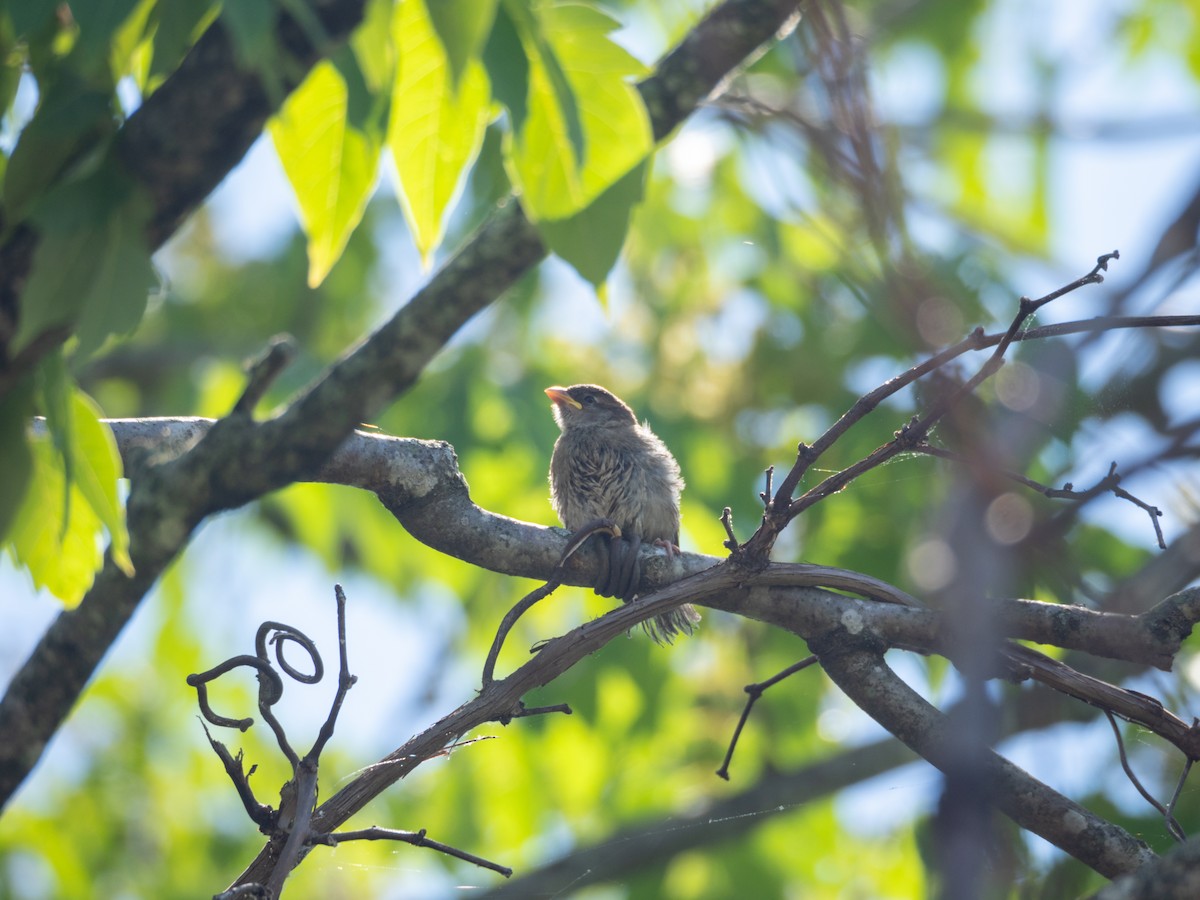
(607, 466)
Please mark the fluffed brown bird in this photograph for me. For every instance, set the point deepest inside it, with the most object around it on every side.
(607, 466)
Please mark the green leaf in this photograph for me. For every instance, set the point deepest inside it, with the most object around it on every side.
(541, 157)
(96, 464)
(330, 164)
(29, 16)
(116, 299)
(251, 24)
(462, 26)
(508, 68)
(179, 25)
(539, 46)
(10, 71)
(72, 495)
(16, 458)
(71, 118)
(62, 555)
(371, 44)
(54, 399)
(591, 240)
(130, 47)
(98, 22)
(97, 225)
(435, 131)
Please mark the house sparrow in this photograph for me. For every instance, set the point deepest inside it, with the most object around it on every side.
(607, 466)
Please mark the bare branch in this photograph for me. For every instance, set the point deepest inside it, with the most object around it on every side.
(783, 509)
(1110, 483)
(1173, 826)
(755, 691)
(417, 839)
(1174, 876)
(526, 603)
(263, 370)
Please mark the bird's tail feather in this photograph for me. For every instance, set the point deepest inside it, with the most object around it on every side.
(665, 627)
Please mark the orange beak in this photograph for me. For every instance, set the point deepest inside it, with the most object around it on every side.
(560, 396)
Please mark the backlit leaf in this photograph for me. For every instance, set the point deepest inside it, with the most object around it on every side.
(436, 130)
(61, 554)
(330, 164)
(542, 158)
(591, 240)
(97, 224)
(462, 27)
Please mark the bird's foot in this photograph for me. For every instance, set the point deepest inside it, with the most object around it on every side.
(670, 546)
(624, 568)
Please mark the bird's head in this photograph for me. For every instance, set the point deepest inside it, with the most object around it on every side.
(586, 406)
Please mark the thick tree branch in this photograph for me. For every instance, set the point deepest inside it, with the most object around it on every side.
(1174, 876)
(420, 484)
(620, 856)
(864, 676)
(1033, 805)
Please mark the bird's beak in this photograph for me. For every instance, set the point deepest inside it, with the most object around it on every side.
(560, 396)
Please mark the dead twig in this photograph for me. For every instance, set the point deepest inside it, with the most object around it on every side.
(1110, 483)
(290, 829)
(783, 508)
(755, 691)
(1173, 826)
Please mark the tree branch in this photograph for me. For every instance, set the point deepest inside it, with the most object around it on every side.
(865, 677)
(420, 484)
(1174, 876)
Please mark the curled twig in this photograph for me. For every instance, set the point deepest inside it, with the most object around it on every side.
(270, 688)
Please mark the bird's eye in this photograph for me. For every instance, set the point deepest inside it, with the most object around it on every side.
(590, 399)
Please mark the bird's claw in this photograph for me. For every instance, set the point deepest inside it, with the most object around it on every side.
(670, 546)
(620, 567)
(625, 567)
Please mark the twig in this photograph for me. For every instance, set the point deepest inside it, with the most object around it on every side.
(290, 825)
(1110, 483)
(1173, 826)
(417, 839)
(1183, 776)
(765, 494)
(1152, 511)
(755, 691)
(263, 370)
(783, 509)
(731, 542)
(260, 813)
(345, 679)
(522, 711)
